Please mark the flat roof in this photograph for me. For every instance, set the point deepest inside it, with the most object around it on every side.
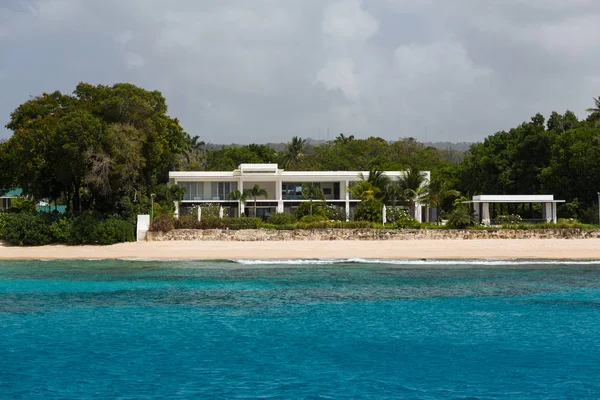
(11, 193)
(515, 198)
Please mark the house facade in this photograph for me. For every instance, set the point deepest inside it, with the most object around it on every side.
(284, 188)
(7, 197)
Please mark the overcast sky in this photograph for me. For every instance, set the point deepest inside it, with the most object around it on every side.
(266, 70)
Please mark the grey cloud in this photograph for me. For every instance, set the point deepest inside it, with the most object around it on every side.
(265, 70)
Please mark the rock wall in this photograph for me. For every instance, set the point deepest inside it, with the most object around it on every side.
(250, 235)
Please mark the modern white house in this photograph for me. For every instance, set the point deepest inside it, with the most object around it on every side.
(284, 188)
(482, 205)
(7, 197)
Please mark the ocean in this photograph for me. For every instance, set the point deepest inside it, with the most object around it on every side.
(340, 329)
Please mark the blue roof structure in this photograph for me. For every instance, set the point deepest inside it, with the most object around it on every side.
(11, 193)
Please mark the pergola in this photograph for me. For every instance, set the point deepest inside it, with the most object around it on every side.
(482, 203)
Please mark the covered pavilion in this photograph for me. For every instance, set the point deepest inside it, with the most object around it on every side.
(482, 203)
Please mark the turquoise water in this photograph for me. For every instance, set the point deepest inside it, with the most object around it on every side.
(188, 330)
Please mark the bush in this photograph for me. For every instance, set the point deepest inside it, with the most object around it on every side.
(304, 209)
(369, 210)
(336, 213)
(26, 229)
(60, 229)
(113, 230)
(22, 205)
(281, 219)
(187, 222)
(163, 223)
(510, 219)
(211, 223)
(243, 223)
(461, 217)
(394, 215)
(91, 229)
(307, 219)
(4, 216)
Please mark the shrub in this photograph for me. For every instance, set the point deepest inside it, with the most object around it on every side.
(22, 205)
(91, 229)
(114, 230)
(461, 217)
(281, 219)
(26, 229)
(407, 222)
(211, 223)
(187, 222)
(510, 219)
(394, 215)
(4, 216)
(369, 210)
(243, 223)
(307, 219)
(60, 229)
(304, 209)
(163, 223)
(336, 213)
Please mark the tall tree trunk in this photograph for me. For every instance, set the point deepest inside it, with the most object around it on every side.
(310, 205)
(255, 207)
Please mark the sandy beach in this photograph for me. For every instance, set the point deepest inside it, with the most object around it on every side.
(392, 249)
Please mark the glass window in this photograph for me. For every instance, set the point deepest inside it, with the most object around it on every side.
(193, 190)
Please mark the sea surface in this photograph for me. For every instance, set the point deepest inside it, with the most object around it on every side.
(340, 329)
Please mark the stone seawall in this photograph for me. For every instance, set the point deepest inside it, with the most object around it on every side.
(252, 235)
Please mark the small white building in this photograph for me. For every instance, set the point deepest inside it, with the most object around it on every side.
(482, 205)
(284, 188)
(7, 197)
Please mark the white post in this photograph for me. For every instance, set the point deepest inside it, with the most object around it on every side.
(347, 202)
(548, 212)
(485, 214)
(199, 214)
(143, 224)
(278, 196)
(176, 203)
(221, 212)
(384, 215)
(554, 217)
(418, 212)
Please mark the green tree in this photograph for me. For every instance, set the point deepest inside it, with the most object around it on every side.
(92, 148)
(255, 192)
(413, 185)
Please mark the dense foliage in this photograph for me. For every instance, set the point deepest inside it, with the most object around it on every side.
(37, 229)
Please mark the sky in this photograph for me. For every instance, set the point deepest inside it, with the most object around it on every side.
(265, 70)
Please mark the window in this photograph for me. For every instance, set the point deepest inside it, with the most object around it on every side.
(221, 190)
(193, 190)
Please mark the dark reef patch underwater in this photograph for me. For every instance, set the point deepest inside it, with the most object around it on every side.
(299, 329)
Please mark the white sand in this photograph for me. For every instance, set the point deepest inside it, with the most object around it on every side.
(393, 249)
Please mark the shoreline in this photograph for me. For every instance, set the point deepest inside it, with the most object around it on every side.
(427, 249)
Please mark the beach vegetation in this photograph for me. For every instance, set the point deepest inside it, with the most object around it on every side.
(281, 219)
(254, 193)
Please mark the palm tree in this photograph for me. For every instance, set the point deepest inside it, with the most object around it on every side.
(255, 192)
(310, 191)
(438, 191)
(293, 153)
(343, 139)
(240, 197)
(596, 109)
(413, 187)
(364, 190)
(379, 180)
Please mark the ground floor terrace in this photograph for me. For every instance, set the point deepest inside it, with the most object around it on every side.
(283, 189)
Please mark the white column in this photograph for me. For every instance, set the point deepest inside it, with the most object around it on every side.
(548, 212)
(418, 212)
(176, 203)
(485, 214)
(347, 201)
(554, 218)
(199, 213)
(278, 189)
